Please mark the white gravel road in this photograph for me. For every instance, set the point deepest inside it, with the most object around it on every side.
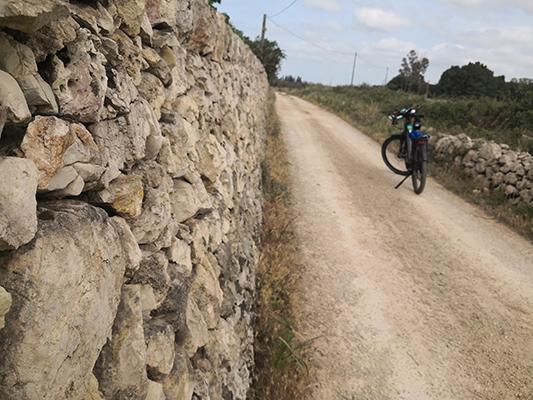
(413, 297)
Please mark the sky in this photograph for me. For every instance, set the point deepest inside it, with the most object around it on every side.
(320, 37)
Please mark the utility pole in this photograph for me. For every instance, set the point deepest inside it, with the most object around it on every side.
(353, 72)
(263, 34)
(386, 75)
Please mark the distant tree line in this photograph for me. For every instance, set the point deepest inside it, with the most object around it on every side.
(290, 82)
(473, 80)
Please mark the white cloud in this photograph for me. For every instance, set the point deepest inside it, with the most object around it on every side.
(328, 25)
(329, 6)
(376, 18)
(510, 61)
(525, 5)
(490, 38)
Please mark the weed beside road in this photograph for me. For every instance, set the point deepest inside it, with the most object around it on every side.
(281, 367)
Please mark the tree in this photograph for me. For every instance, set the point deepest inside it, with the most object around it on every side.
(411, 75)
(472, 80)
(270, 56)
(211, 2)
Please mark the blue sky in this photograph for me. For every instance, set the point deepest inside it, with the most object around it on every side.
(498, 33)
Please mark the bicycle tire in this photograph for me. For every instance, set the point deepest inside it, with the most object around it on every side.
(420, 170)
(394, 154)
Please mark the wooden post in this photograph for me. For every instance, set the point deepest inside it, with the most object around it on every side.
(353, 72)
(263, 34)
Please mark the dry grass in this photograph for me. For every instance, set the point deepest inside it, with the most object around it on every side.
(281, 370)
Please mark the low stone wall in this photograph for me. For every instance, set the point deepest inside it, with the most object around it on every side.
(492, 166)
(131, 135)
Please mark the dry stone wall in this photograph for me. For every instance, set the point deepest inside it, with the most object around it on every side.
(492, 166)
(131, 134)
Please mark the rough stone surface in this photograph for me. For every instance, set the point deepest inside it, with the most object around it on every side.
(160, 127)
(120, 369)
(19, 61)
(5, 305)
(66, 288)
(30, 16)
(124, 195)
(492, 167)
(14, 104)
(18, 205)
(159, 338)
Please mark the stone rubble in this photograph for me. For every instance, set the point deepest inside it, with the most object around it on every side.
(131, 135)
(493, 167)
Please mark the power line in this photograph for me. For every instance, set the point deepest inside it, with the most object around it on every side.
(320, 47)
(285, 9)
(306, 41)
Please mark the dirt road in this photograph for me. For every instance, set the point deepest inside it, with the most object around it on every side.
(414, 297)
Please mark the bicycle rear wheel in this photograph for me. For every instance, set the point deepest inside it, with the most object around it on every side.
(394, 154)
(420, 170)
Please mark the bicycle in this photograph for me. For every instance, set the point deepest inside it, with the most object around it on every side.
(406, 153)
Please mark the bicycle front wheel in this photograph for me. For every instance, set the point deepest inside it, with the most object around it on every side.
(420, 170)
(394, 154)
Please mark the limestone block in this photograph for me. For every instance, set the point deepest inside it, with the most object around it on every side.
(511, 191)
(509, 157)
(131, 250)
(179, 253)
(30, 16)
(183, 201)
(154, 140)
(47, 140)
(95, 18)
(155, 391)
(120, 368)
(80, 84)
(146, 30)
(206, 293)
(510, 178)
(131, 13)
(180, 383)
(18, 60)
(92, 392)
(151, 173)
(18, 206)
(153, 272)
(187, 108)
(124, 195)
(157, 66)
(148, 302)
(196, 329)
(491, 152)
(152, 89)
(66, 289)
(526, 195)
(163, 12)
(120, 93)
(62, 179)
(127, 55)
(124, 139)
(13, 101)
(155, 216)
(173, 310)
(5, 305)
(51, 38)
(159, 337)
(497, 178)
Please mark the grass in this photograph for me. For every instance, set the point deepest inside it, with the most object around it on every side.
(367, 108)
(282, 372)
